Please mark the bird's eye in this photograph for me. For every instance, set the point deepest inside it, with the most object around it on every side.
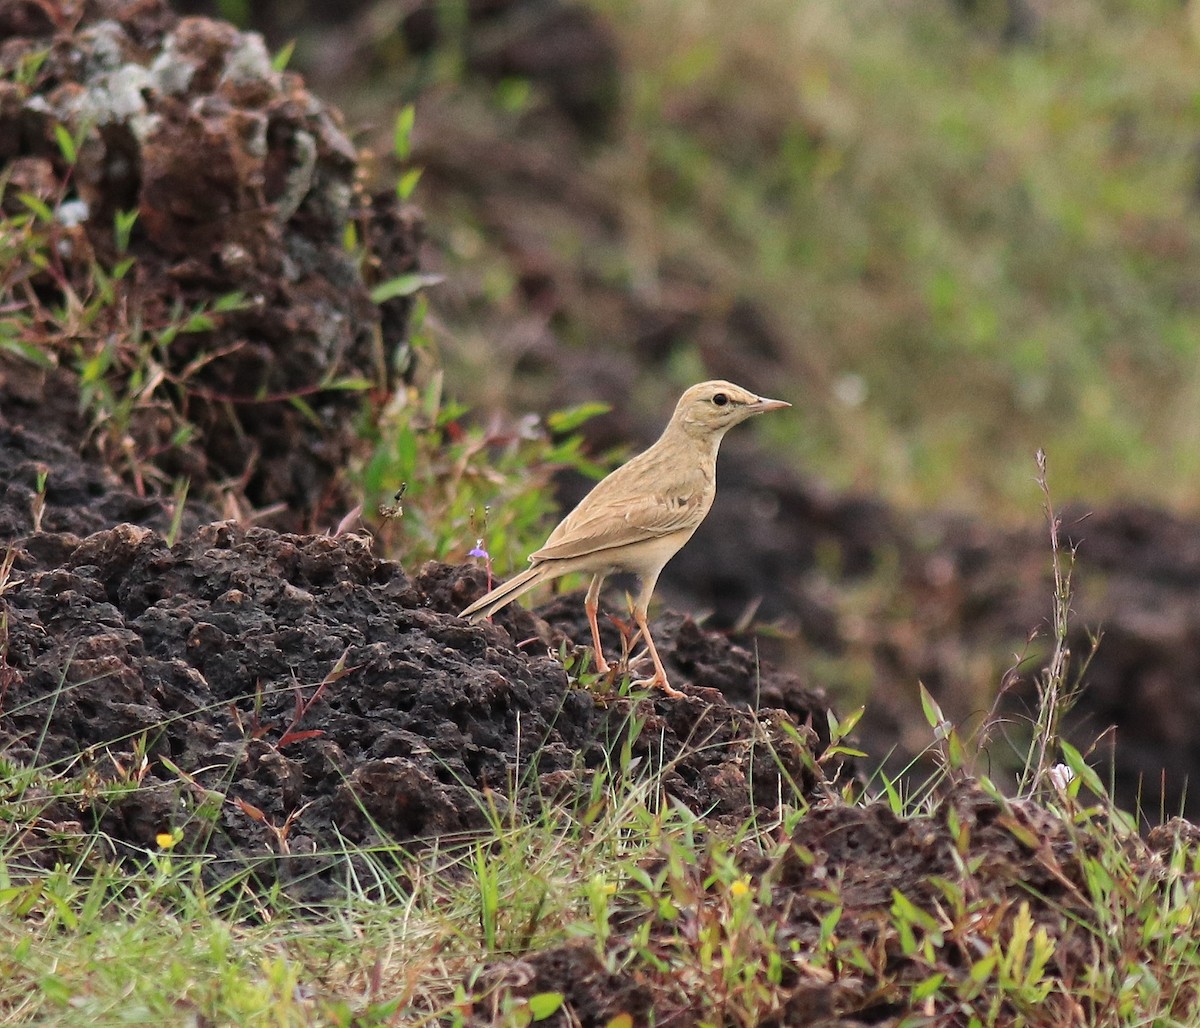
(720, 399)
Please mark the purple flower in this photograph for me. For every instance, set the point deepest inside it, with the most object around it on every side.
(478, 551)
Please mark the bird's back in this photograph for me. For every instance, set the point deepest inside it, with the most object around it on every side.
(662, 490)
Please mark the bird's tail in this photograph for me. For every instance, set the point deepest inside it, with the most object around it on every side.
(486, 606)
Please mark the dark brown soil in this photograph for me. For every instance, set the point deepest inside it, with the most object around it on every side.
(292, 692)
(857, 859)
(877, 600)
(334, 694)
(243, 183)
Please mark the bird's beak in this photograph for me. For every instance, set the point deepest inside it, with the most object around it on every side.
(763, 404)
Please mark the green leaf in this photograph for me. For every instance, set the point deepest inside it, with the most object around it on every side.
(55, 989)
(513, 94)
(1074, 760)
(20, 901)
(923, 990)
(27, 352)
(93, 368)
(903, 907)
(123, 222)
(829, 922)
(405, 450)
(66, 144)
(571, 418)
(895, 800)
(281, 60)
(933, 713)
(450, 412)
(229, 302)
(349, 384)
(843, 751)
(402, 144)
(955, 753)
(545, 1004)
(37, 206)
(198, 322)
(29, 66)
(840, 728)
(982, 969)
(408, 182)
(403, 285)
(304, 408)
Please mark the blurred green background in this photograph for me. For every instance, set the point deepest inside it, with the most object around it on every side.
(949, 232)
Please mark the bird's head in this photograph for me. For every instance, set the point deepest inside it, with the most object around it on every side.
(712, 408)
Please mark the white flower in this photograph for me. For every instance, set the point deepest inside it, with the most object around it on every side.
(1061, 776)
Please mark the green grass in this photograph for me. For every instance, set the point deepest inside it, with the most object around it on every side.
(403, 938)
(68, 305)
(703, 916)
(964, 249)
(1046, 907)
(440, 488)
(969, 249)
(104, 944)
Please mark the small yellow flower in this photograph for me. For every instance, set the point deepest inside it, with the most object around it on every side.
(166, 840)
(739, 888)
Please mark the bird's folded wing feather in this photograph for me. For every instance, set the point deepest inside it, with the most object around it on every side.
(602, 527)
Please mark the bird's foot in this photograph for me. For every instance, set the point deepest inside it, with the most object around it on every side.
(660, 682)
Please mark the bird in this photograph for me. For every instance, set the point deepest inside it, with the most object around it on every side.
(639, 516)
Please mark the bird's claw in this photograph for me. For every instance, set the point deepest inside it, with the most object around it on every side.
(660, 683)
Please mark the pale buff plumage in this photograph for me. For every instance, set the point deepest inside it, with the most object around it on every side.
(637, 518)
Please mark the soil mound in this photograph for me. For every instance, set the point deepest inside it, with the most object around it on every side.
(275, 694)
(253, 330)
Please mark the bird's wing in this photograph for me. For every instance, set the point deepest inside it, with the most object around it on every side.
(594, 527)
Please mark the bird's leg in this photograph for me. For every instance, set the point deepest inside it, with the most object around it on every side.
(591, 604)
(632, 640)
(660, 674)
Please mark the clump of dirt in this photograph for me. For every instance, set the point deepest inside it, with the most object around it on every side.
(976, 859)
(876, 599)
(881, 599)
(244, 185)
(266, 694)
(270, 695)
(242, 180)
(314, 692)
(559, 47)
(45, 485)
(967, 594)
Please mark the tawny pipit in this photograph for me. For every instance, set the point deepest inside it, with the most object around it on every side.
(637, 518)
